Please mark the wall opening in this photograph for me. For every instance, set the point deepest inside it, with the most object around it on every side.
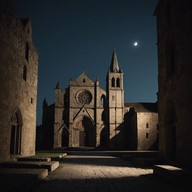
(103, 100)
(25, 72)
(15, 137)
(83, 132)
(113, 82)
(27, 51)
(118, 82)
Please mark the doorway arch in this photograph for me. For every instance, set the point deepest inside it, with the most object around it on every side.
(15, 136)
(83, 132)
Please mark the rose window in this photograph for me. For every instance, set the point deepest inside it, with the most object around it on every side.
(84, 97)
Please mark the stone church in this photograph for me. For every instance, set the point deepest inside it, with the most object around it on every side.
(18, 77)
(89, 115)
(84, 114)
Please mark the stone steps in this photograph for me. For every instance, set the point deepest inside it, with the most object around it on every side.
(53, 156)
(33, 159)
(25, 172)
(49, 165)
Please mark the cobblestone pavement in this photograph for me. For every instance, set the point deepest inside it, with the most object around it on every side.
(85, 172)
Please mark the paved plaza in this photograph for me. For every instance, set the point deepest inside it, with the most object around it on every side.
(89, 171)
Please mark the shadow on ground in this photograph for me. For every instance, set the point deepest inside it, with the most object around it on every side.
(146, 183)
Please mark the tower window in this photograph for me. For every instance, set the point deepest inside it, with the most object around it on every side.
(25, 72)
(118, 82)
(27, 51)
(102, 100)
(83, 80)
(147, 125)
(147, 135)
(113, 82)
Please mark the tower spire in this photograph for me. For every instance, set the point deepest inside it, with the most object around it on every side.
(114, 62)
(57, 85)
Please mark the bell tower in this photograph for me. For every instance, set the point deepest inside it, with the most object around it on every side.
(115, 103)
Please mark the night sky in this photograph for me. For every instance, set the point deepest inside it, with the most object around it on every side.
(73, 36)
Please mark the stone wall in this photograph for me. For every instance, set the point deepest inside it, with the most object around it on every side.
(147, 126)
(141, 126)
(18, 77)
(175, 80)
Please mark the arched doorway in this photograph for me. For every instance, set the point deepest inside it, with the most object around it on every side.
(83, 132)
(15, 137)
(170, 131)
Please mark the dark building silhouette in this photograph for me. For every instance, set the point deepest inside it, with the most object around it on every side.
(18, 85)
(174, 29)
(86, 115)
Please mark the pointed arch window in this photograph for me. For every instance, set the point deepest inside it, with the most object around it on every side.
(103, 100)
(25, 72)
(118, 82)
(113, 82)
(27, 51)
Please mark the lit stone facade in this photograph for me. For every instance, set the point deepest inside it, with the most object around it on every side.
(142, 119)
(175, 80)
(86, 115)
(81, 113)
(18, 77)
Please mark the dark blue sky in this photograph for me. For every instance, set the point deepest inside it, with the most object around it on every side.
(73, 36)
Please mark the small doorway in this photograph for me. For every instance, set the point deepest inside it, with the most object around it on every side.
(15, 136)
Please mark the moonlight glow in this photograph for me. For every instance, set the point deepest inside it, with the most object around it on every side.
(135, 44)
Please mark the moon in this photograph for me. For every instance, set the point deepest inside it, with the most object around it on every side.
(135, 44)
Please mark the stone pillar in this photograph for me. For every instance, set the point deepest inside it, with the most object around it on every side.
(70, 135)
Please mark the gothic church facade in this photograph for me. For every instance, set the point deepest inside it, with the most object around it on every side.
(82, 117)
(86, 115)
